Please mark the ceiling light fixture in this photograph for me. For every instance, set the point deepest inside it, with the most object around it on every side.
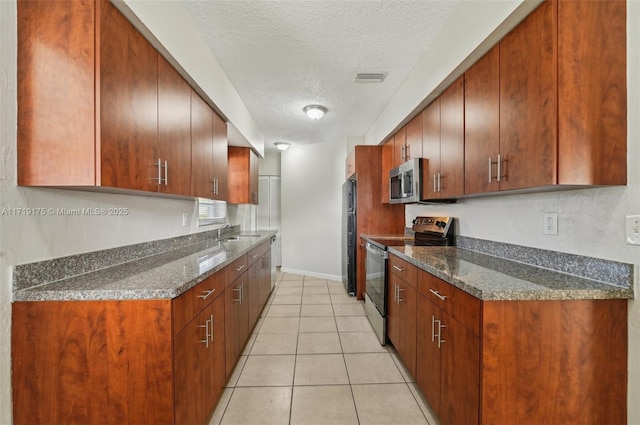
(315, 112)
(283, 146)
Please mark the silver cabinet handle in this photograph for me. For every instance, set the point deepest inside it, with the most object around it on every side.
(159, 165)
(434, 183)
(242, 293)
(206, 294)
(490, 163)
(433, 328)
(253, 257)
(499, 166)
(439, 182)
(440, 340)
(239, 268)
(205, 341)
(166, 173)
(437, 294)
(213, 186)
(407, 151)
(400, 269)
(211, 333)
(399, 290)
(403, 156)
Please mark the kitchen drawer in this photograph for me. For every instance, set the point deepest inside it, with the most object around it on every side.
(235, 269)
(192, 302)
(463, 307)
(258, 251)
(402, 269)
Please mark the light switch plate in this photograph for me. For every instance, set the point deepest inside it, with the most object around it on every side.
(185, 219)
(632, 229)
(550, 223)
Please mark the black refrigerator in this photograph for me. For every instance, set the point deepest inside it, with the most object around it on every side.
(349, 236)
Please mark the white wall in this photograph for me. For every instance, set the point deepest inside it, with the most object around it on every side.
(312, 177)
(590, 221)
(270, 164)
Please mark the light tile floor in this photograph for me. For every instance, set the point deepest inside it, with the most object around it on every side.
(313, 358)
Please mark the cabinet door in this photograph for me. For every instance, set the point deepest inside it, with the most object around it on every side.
(386, 166)
(460, 373)
(451, 180)
(56, 108)
(231, 326)
(216, 375)
(242, 176)
(252, 293)
(174, 131)
(220, 161)
(528, 101)
(431, 145)
(128, 104)
(482, 123)
(407, 327)
(393, 312)
(592, 86)
(428, 353)
(399, 147)
(201, 148)
(414, 138)
(192, 348)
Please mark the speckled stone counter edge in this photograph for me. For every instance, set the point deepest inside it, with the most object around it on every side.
(35, 274)
(605, 271)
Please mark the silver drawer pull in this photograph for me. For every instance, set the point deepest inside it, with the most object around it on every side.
(437, 294)
(205, 294)
(239, 268)
(253, 257)
(400, 269)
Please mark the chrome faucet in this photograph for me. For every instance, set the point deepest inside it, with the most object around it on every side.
(223, 227)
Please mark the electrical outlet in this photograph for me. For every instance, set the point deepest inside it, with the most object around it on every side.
(185, 219)
(550, 223)
(632, 229)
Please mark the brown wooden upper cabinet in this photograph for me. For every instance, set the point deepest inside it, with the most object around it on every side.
(413, 140)
(547, 106)
(174, 132)
(208, 151)
(386, 165)
(482, 124)
(109, 111)
(399, 146)
(443, 143)
(242, 176)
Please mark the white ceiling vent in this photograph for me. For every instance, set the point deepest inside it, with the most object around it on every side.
(369, 77)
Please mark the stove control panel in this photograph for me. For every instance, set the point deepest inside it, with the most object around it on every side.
(435, 225)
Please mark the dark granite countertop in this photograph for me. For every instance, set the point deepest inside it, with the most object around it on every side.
(161, 276)
(493, 278)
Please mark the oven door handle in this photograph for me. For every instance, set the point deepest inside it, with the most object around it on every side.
(376, 251)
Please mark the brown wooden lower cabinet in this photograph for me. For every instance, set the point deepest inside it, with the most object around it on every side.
(198, 365)
(524, 362)
(135, 361)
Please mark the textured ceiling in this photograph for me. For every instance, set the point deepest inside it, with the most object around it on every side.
(283, 55)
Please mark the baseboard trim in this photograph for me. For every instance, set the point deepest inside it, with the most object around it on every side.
(312, 274)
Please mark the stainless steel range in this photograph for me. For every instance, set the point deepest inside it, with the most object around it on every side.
(429, 231)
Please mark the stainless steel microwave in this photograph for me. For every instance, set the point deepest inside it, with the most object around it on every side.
(405, 181)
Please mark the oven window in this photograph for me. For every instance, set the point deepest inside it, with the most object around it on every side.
(376, 282)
